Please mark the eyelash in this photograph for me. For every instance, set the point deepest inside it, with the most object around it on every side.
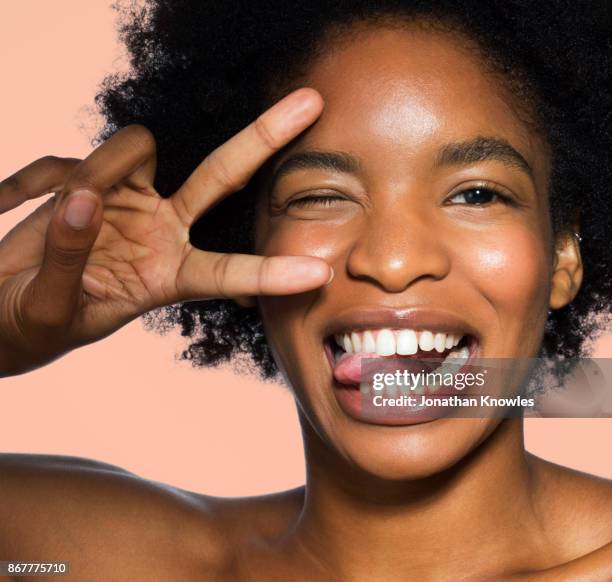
(498, 195)
(315, 199)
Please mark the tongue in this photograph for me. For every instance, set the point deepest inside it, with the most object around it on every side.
(349, 369)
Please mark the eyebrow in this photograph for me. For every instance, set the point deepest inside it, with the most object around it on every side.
(479, 149)
(318, 160)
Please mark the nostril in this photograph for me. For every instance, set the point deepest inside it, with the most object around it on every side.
(394, 265)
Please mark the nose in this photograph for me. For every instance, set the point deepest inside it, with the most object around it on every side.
(397, 247)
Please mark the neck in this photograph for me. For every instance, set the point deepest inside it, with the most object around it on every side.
(366, 527)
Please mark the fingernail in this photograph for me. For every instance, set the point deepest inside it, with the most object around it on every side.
(80, 209)
(331, 275)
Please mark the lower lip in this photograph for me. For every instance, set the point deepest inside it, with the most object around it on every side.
(360, 407)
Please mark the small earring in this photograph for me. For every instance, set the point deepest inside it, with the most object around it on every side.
(578, 237)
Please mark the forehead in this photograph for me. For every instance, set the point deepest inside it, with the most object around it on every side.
(405, 91)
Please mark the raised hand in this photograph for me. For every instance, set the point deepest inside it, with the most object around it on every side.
(107, 248)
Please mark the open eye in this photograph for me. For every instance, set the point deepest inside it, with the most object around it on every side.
(478, 196)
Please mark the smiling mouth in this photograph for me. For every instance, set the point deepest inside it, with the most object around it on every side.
(354, 354)
(346, 351)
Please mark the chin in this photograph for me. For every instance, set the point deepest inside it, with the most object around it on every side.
(400, 453)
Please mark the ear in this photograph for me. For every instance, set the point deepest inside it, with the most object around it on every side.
(567, 270)
(246, 300)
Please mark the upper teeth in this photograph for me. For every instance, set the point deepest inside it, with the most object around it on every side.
(404, 342)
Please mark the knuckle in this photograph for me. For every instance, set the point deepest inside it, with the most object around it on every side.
(139, 137)
(265, 135)
(220, 273)
(264, 275)
(66, 259)
(11, 184)
(13, 314)
(81, 179)
(221, 173)
(48, 162)
(60, 168)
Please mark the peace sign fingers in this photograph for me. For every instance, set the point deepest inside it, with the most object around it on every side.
(229, 167)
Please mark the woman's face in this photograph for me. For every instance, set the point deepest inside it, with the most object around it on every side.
(427, 195)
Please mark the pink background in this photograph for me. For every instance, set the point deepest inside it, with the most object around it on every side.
(126, 400)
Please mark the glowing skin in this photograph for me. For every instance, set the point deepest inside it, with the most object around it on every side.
(395, 241)
(409, 116)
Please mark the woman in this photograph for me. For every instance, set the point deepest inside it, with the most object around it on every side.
(420, 183)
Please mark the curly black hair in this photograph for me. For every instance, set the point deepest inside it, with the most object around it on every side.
(201, 71)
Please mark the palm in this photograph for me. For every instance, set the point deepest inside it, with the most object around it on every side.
(139, 250)
(133, 264)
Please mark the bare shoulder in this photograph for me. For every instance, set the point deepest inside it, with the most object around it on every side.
(595, 566)
(102, 518)
(576, 509)
(259, 517)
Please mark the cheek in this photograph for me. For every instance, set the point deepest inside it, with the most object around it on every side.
(299, 238)
(284, 316)
(511, 268)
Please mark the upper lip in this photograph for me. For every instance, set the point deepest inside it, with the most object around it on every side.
(435, 320)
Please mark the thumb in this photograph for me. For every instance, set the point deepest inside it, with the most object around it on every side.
(73, 229)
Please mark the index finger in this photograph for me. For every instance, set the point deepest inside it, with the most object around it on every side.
(229, 167)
